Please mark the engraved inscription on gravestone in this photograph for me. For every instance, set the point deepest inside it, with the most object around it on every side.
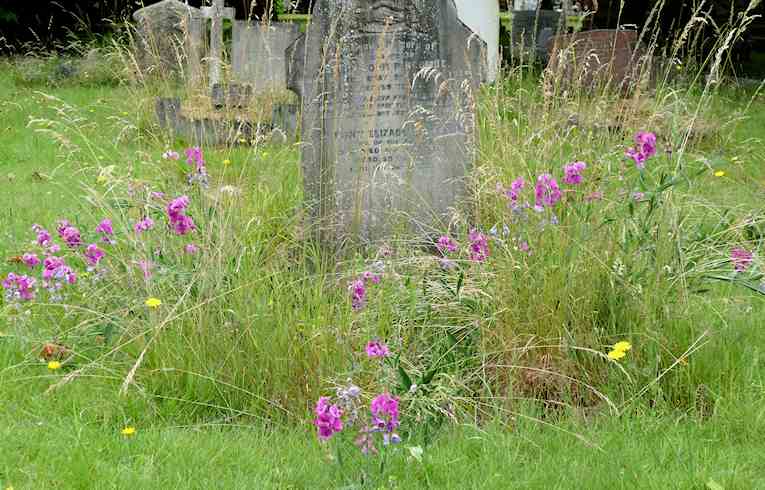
(387, 90)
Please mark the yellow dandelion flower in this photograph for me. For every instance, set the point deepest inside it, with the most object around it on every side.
(153, 302)
(54, 365)
(128, 431)
(623, 346)
(720, 173)
(616, 354)
(226, 162)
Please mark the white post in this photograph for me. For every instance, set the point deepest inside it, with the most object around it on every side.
(216, 13)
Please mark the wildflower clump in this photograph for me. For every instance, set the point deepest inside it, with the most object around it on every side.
(741, 258)
(645, 148)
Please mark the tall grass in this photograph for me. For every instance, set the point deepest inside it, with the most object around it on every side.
(259, 323)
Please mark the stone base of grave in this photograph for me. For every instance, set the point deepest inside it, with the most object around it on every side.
(593, 60)
(204, 131)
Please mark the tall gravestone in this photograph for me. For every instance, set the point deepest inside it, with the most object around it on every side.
(387, 118)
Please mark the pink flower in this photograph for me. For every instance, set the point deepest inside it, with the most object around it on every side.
(376, 348)
(177, 206)
(105, 227)
(524, 247)
(479, 246)
(145, 224)
(358, 294)
(547, 191)
(573, 173)
(182, 224)
(171, 155)
(328, 418)
(191, 249)
(741, 259)
(145, 267)
(157, 196)
(43, 236)
(513, 194)
(384, 410)
(446, 245)
(369, 276)
(645, 149)
(21, 287)
(176, 209)
(31, 260)
(69, 234)
(638, 196)
(55, 268)
(93, 254)
(194, 157)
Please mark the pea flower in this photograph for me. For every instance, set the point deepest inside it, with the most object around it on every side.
(384, 410)
(445, 245)
(93, 254)
(43, 236)
(55, 268)
(513, 194)
(191, 249)
(547, 191)
(106, 231)
(479, 246)
(741, 259)
(328, 419)
(375, 348)
(194, 157)
(645, 149)
(69, 234)
(358, 294)
(19, 287)
(176, 212)
(145, 224)
(31, 260)
(369, 276)
(573, 173)
(171, 155)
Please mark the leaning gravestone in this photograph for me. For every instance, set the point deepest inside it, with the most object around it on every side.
(387, 117)
(162, 37)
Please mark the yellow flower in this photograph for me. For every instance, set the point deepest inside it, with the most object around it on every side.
(622, 346)
(53, 365)
(616, 354)
(720, 173)
(128, 431)
(124, 113)
(153, 302)
(226, 162)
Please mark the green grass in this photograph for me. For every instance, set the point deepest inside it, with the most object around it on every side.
(223, 396)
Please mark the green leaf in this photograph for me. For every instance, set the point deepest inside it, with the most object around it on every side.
(406, 381)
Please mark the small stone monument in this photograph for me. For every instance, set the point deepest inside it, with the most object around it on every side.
(387, 116)
(162, 33)
(595, 59)
(257, 56)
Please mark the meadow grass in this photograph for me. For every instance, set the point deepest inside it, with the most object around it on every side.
(515, 389)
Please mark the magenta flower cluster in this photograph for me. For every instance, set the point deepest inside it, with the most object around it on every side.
(176, 213)
(573, 173)
(328, 419)
(547, 191)
(358, 288)
(479, 246)
(18, 287)
(69, 234)
(645, 148)
(741, 259)
(195, 159)
(375, 348)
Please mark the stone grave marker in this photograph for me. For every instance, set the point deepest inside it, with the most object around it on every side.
(387, 116)
(258, 49)
(216, 13)
(532, 29)
(592, 59)
(162, 34)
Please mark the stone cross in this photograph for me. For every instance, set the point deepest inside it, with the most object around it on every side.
(216, 13)
(388, 114)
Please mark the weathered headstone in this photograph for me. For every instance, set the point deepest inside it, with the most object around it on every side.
(387, 116)
(258, 53)
(593, 59)
(532, 29)
(161, 36)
